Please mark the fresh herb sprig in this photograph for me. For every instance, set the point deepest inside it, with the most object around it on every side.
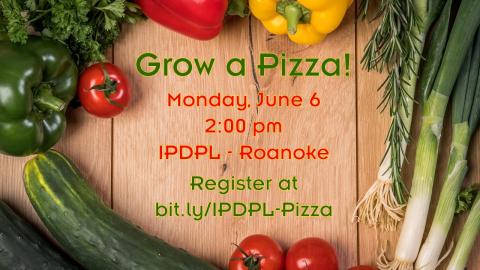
(87, 27)
(393, 47)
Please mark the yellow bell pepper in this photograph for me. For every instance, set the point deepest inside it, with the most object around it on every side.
(305, 21)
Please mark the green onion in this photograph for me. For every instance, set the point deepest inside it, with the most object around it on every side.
(395, 46)
(465, 120)
(434, 50)
(467, 238)
(459, 42)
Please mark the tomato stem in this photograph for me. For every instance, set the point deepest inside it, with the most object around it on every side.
(251, 261)
(108, 88)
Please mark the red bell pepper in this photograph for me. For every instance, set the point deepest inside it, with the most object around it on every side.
(200, 19)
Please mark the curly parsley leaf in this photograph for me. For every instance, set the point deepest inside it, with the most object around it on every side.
(31, 4)
(112, 13)
(133, 13)
(69, 18)
(87, 27)
(15, 23)
(465, 199)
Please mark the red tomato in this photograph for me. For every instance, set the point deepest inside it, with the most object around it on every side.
(311, 254)
(103, 90)
(257, 250)
(362, 267)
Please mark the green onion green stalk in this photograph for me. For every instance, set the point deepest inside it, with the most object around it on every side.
(459, 42)
(466, 104)
(467, 238)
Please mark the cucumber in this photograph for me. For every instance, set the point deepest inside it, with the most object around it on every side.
(90, 231)
(22, 246)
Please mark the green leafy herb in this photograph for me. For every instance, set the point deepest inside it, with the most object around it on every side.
(12, 21)
(465, 199)
(395, 47)
(87, 27)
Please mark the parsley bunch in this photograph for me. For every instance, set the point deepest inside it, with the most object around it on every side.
(87, 27)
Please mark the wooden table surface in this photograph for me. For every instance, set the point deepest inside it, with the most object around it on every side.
(120, 156)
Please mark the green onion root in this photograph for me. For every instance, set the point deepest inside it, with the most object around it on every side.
(384, 263)
(379, 207)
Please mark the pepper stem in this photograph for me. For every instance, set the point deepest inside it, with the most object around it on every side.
(44, 99)
(293, 14)
(238, 8)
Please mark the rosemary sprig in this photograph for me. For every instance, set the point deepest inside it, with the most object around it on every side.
(392, 48)
(364, 6)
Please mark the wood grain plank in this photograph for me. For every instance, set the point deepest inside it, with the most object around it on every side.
(372, 129)
(141, 180)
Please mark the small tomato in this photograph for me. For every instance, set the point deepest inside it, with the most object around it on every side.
(311, 254)
(103, 90)
(257, 252)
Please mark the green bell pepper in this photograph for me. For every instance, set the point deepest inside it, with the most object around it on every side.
(37, 81)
